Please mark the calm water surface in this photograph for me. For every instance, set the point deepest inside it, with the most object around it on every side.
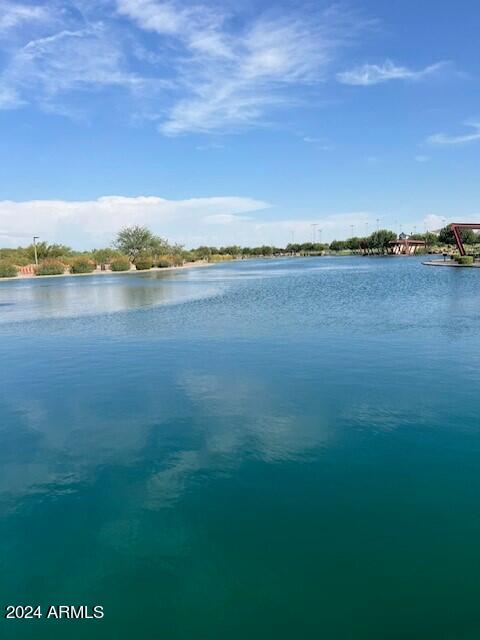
(269, 449)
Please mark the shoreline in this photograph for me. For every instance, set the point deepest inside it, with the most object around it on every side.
(108, 272)
(451, 263)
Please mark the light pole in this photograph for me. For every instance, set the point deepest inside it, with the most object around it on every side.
(320, 236)
(378, 223)
(35, 238)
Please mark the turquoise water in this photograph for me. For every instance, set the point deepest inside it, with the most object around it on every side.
(266, 449)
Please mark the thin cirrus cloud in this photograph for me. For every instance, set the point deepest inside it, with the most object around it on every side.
(14, 14)
(48, 69)
(445, 139)
(232, 78)
(190, 67)
(371, 74)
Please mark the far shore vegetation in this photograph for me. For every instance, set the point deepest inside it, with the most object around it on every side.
(137, 248)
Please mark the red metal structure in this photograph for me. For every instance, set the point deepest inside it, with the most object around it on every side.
(456, 227)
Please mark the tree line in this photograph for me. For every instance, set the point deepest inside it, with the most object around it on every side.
(138, 246)
(379, 241)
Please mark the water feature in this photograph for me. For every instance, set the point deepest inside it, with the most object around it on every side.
(260, 449)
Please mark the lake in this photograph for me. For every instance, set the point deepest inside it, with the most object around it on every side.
(261, 449)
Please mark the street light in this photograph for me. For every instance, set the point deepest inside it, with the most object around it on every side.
(35, 238)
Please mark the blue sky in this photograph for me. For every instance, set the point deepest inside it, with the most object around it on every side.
(236, 122)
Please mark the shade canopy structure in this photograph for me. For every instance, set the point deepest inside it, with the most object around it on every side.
(406, 246)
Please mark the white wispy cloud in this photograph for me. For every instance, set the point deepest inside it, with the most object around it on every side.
(14, 14)
(9, 98)
(202, 67)
(190, 67)
(199, 27)
(231, 77)
(445, 139)
(370, 74)
(48, 68)
(319, 143)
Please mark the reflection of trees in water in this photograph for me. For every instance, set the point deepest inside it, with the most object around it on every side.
(138, 295)
(66, 298)
(97, 295)
(51, 296)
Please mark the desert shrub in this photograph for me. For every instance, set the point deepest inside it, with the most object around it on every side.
(142, 263)
(177, 260)
(50, 267)
(164, 262)
(121, 263)
(105, 256)
(465, 260)
(172, 260)
(7, 269)
(191, 256)
(16, 257)
(82, 265)
(219, 257)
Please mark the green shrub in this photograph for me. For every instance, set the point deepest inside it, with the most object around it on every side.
(220, 257)
(120, 264)
(169, 261)
(164, 262)
(464, 260)
(142, 263)
(7, 270)
(16, 257)
(105, 256)
(191, 256)
(50, 267)
(82, 265)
